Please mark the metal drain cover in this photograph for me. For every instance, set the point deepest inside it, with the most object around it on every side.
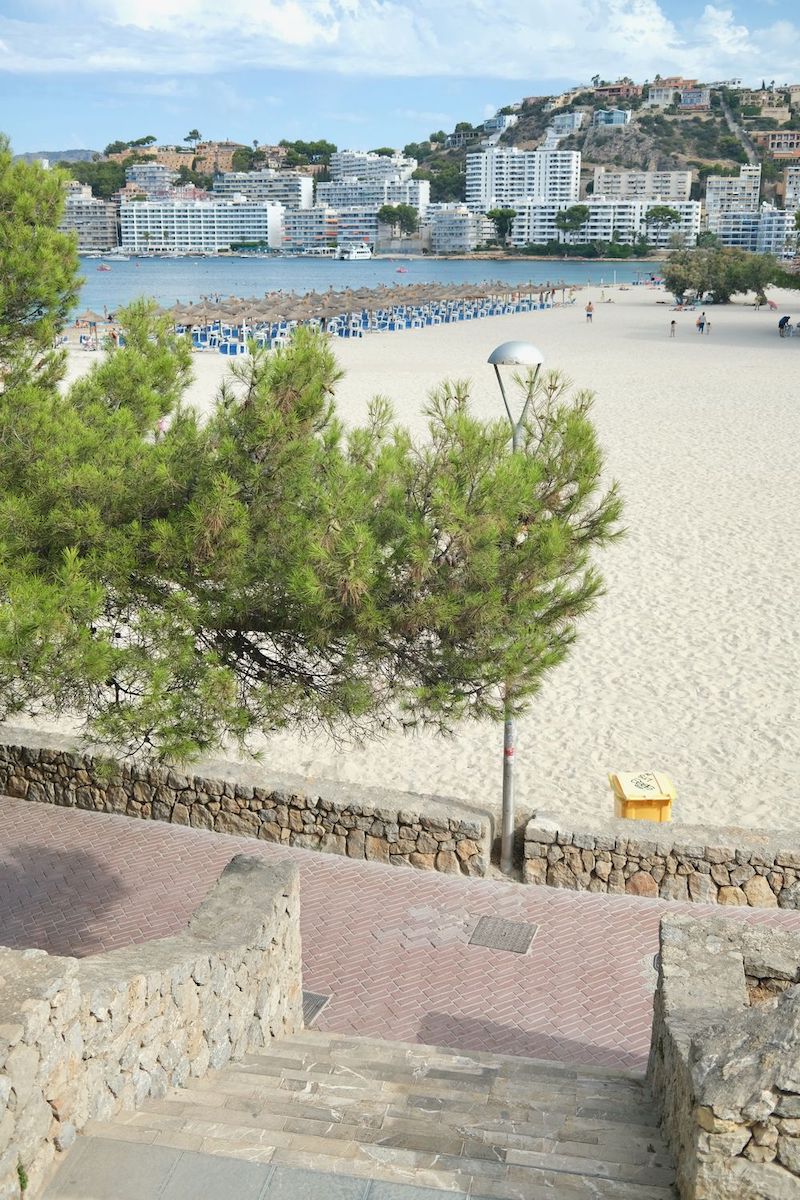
(499, 934)
(313, 1004)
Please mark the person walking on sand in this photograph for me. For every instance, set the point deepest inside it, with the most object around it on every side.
(589, 312)
(672, 325)
(701, 323)
(708, 326)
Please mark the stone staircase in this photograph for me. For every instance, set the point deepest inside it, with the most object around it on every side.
(480, 1125)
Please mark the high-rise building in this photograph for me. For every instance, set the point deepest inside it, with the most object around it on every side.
(455, 229)
(642, 185)
(346, 193)
(623, 221)
(152, 178)
(199, 226)
(501, 177)
(368, 167)
(733, 193)
(94, 221)
(288, 188)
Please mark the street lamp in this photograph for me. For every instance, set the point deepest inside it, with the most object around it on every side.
(512, 354)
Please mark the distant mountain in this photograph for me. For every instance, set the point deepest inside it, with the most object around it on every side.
(55, 156)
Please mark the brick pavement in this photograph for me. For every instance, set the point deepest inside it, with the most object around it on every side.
(389, 943)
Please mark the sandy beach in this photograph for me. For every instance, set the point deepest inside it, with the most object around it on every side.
(690, 663)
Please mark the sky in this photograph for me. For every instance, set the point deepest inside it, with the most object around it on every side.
(361, 73)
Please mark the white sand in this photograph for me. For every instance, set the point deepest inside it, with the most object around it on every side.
(690, 663)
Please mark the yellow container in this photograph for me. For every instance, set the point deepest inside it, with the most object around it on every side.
(642, 796)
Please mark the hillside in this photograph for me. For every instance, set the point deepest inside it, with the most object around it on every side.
(653, 140)
(55, 156)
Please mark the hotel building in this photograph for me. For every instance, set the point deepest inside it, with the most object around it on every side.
(288, 188)
(624, 221)
(642, 185)
(369, 167)
(351, 192)
(198, 226)
(503, 177)
(93, 221)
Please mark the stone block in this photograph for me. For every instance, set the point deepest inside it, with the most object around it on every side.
(732, 896)
(759, 894)
(376, 849)
(641, 884)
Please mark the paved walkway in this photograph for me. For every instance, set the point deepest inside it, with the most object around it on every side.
(389, 943)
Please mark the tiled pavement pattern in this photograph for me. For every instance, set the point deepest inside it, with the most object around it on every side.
(372, 1113)
(389, 943)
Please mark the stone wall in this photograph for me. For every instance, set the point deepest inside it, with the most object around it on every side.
(725, 1058)
(400, 828)
(85, 1038)
(670, 861)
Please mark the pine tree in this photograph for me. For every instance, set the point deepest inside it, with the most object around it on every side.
(178, 582)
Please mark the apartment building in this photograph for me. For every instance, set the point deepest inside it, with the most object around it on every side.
(358, 224)
(93, 221)
(455, 229)
(660, 95)
(288, 188)
(765, 231)
(763, 98)
(310, 228)
(791, 187)
(732, 193)
(501, 177)
(198, 226)
(153, 179)
(369, 167)
(348, 193)
(632, 185)
(624, 221)
(611, 116)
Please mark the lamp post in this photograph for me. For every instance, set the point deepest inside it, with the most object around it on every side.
(512, 354)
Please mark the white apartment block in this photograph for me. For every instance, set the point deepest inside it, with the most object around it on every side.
(623, 221)
(349, 193)
(504, 177)
(94, 221)
(366, 166)
(734, 193)
(310, 228)
(455, 229)
(154, 179)
(357, 224)
(642, 185)
(765, 231)
(791, 187)
(288, 188)
(660, 97)
(198, 226)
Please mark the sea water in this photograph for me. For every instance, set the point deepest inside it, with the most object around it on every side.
(182, 280)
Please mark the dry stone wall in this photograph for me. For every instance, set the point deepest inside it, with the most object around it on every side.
(398, 828)
(86, 1038)
(725, 1058)
(746, 867)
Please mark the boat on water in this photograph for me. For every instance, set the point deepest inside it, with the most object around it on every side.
(104, 267)
(354, 252)
(401, 270)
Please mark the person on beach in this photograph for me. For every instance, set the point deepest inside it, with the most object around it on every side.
(784, 321)
(672, 325)
(708, 326)
(589, 312)
(701, 323)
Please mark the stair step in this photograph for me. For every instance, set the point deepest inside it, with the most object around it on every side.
(491, 1127)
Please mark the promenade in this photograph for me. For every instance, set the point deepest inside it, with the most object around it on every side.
(389, 945)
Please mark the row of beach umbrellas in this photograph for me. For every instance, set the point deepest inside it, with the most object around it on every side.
(291, 306)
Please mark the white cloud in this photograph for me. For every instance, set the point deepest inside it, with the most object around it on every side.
(519, 40)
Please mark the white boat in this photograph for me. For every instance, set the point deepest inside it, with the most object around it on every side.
(359, 250)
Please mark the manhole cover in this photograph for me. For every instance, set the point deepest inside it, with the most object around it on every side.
(313, 1004)
(499, 934)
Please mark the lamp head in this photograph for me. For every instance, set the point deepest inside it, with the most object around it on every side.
(516, 354)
